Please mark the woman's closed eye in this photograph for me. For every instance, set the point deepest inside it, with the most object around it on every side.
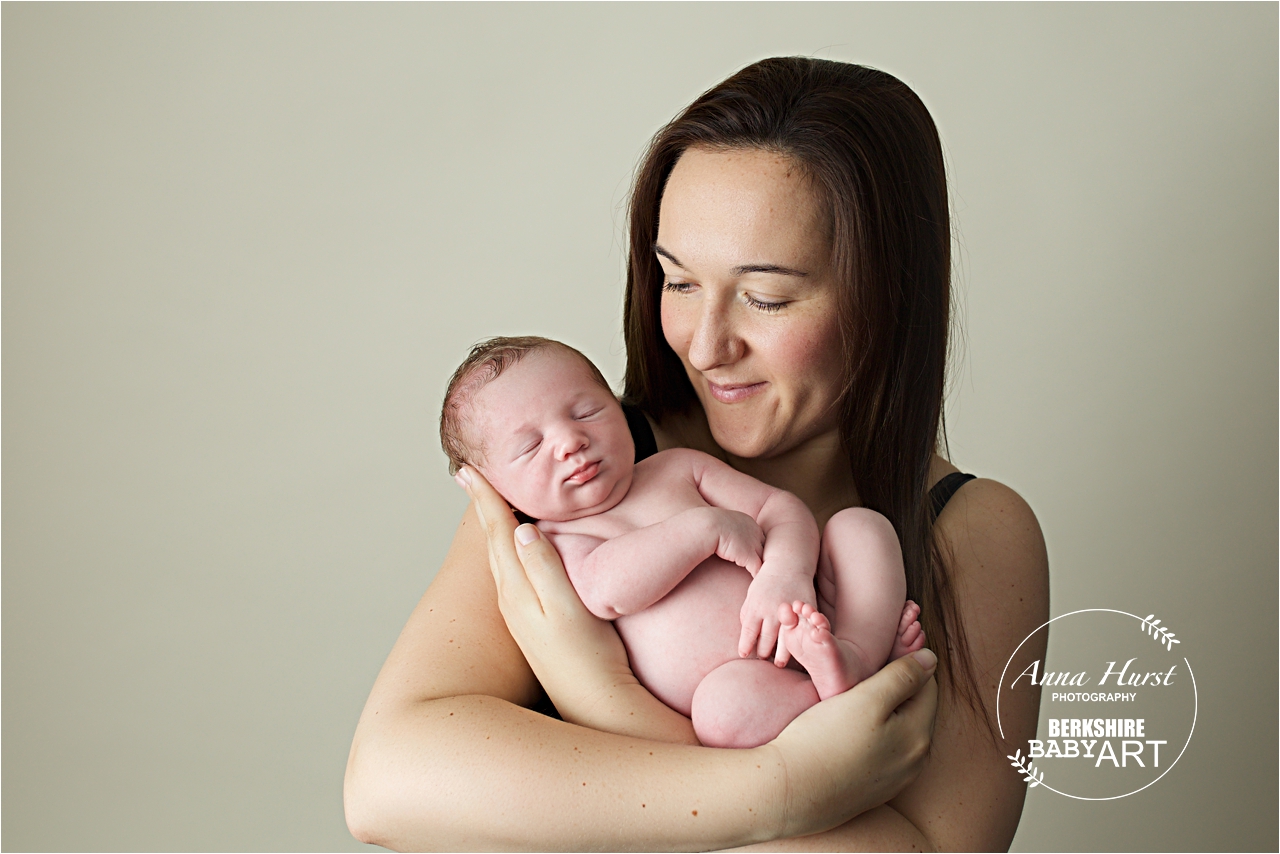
(765, 305)
(768, 306)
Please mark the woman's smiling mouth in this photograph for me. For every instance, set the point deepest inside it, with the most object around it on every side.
(734, 392)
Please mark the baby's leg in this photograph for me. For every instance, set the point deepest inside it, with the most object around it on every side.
(861, 592)
(746, 702)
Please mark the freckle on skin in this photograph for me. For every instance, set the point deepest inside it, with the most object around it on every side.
(695, 812)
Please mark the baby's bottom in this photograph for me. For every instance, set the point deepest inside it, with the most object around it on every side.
(862, 621)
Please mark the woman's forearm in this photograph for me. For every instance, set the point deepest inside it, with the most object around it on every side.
(474, 771)
(629, 709)
(879, 829)
(478, 772)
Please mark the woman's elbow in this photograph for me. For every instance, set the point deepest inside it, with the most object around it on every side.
(360, 800)
(375, 795)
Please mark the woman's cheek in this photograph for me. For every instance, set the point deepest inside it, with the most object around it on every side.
(674, 327)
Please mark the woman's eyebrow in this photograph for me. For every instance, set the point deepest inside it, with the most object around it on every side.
(743, 269)
(768, 268)
(665, 254)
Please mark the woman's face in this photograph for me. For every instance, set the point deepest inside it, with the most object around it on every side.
(749, 303)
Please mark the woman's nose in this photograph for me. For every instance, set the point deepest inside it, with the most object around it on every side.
(714, 342)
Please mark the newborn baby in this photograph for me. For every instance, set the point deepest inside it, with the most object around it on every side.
(699, 565)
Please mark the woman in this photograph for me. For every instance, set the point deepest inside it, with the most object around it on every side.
(787, 311)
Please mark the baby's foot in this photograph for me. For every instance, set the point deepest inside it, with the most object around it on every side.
(834, 665)
(910, 636)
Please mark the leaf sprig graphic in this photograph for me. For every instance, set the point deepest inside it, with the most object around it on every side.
(1161, 633)
(1027, 768)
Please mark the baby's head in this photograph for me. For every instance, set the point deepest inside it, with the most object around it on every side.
(538, 420)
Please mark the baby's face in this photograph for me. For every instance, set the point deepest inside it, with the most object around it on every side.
(556, 444)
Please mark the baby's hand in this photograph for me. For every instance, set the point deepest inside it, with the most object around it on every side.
(760, 624)
(741, 540)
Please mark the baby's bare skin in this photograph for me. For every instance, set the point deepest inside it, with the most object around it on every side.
(667, 563)
(702, 567)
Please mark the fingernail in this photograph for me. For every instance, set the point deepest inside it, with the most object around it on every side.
(526, 534)
(926, 658)
(463, 477)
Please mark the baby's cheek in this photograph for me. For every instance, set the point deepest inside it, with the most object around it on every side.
(524, 492)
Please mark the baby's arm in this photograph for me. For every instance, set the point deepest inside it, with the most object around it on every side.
(630, 572)
(790, 547)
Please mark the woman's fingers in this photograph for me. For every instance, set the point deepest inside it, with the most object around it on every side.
(545, 572)
(526, 567)
(887, 724)
(899, 682)
(499, 526)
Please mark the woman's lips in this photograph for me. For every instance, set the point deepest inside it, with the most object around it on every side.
(584, 473)
(734, 392)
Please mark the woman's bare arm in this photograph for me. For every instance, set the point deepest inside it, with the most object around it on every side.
(445, 757)
(968, 797)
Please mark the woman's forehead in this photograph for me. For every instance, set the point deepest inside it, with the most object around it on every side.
(741, 206)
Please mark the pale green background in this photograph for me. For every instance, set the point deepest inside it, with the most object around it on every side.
(244, 245)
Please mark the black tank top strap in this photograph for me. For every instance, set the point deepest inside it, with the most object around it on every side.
(641, 432)
(944, 489)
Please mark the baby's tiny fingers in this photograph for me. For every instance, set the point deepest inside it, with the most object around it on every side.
(768, 639)
(783, 655)
(747, 640)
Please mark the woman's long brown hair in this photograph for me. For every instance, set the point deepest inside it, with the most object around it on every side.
(873, 153)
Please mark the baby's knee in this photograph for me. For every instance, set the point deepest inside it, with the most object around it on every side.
(747, 702)
(859, 527)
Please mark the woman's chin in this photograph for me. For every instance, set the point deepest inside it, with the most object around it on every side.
(742, 444)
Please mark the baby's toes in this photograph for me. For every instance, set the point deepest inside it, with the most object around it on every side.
(910, 613)
(910, 634)
(787, 616)
(818, 634)
(819, 621)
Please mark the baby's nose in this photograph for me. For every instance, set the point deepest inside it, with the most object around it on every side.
(571, 442)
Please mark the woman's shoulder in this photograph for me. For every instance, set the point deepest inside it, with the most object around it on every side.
(996, 554)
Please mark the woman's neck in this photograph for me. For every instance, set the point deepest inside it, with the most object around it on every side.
(817, 472)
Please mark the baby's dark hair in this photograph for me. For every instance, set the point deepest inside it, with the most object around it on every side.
(486, 361)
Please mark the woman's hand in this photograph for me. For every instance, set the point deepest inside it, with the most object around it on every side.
(578, 658)
(857, 750)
